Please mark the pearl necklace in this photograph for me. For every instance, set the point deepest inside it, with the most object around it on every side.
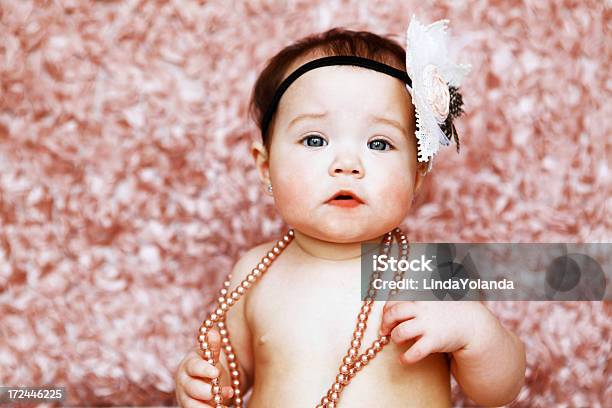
(352, 362)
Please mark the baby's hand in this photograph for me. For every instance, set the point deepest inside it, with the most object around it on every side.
(193, 388)
(444, 327)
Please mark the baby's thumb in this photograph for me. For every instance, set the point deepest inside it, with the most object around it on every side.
(213, 338)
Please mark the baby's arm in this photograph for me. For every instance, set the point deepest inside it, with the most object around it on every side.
(491, 368)
(487, 361)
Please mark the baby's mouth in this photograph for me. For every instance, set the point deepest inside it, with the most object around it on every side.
(345, 199)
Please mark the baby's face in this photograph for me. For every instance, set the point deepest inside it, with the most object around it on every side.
(345, 147)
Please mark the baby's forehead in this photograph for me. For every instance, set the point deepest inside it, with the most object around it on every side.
(359, 88)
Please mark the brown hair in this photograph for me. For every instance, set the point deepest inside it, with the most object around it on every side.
(336, 41)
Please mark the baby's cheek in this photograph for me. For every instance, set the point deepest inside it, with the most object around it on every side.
(396, 197)
(289, 196)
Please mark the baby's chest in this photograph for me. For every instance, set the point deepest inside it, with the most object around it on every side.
(294, 314)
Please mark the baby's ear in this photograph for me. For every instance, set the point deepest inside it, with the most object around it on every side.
(421, 173)
(260, 156)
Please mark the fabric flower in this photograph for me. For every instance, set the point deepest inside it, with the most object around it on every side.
(432, 73)
(438, 95)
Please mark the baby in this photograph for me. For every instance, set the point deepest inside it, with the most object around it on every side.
(347, 129)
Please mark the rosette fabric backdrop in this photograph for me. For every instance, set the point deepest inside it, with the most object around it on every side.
(127, 190)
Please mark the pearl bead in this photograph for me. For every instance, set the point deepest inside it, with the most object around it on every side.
(208, 354)
(261, 267)
(223, 292)
(361, 326)
(246, 284)
(240, 290)
(370, 353)
(208, 323)
(231, 357)
(221, 299)
(226, 284)
(271, 255)
(223, 332)
(225, 341)
(347, 360)
(237, 400)
(237, 393)
(281, 244)
(228, 349)
(216, 389)
(224, 307)
(356, 343)
(251, 278)
(276, 250)
(235, 383)
(235, 295)
(202, 337)
(234, 373)
(203, 330)
(267, 261)
(232, 365)
(344, 369)
(217, 398)
(364, 359)
(214, 317)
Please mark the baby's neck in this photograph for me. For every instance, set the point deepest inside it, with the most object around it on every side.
(332, 251)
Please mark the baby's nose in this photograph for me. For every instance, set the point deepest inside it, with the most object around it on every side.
(348, 166)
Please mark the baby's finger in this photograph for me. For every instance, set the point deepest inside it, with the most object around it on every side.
(419, 350)
(201, 390)
(196, 367)
(213, 338)
(407, 330)
(399, 311)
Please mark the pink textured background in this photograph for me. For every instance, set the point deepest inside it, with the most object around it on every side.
(127, 191)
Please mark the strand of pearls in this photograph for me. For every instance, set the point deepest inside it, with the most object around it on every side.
(353, 362)
(224, 302)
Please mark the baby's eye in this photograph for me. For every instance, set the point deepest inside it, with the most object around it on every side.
(379, 144)
(317, 141)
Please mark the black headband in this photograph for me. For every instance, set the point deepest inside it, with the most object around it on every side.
(327, 61)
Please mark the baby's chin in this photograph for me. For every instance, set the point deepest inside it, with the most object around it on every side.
(345, 232)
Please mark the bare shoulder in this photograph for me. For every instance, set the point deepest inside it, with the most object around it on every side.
(249, 260)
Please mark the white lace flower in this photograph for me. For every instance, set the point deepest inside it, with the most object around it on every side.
(432, 72)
